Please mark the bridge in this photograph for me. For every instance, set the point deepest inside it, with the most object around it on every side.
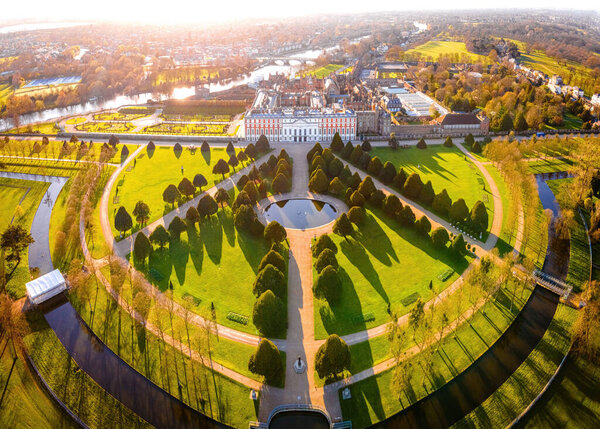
(553, 284)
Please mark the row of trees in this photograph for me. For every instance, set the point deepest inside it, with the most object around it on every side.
(413, 187)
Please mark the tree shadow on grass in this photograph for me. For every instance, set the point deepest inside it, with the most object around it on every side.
(206, 155)
(226, 219)
(211, 235)
(196, 248)
(376, 241)
(356, 254)
(253, 249)
(365, 395)
(343, 317)
(160, 268)
(179, 252)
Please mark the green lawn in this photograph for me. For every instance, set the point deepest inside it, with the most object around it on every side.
(550, 165)
(28, 195)
(24, 402)
(188, 129)
(105, 127)
(579, 258)
(148, 177)
(6, 91)
(506, 403)
(211, 264)
(434, 48)
(324, 71)
(373, 400)
(383, 264)
(45, 128)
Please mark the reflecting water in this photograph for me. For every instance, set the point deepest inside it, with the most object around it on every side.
(301, 213)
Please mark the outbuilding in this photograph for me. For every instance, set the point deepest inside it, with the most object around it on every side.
(45, 287)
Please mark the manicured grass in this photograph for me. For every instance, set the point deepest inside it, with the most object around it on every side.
(372, 399)
(323, 71)
(573, 73)
(167, 366)
(506, 403)
(185, 129)
(77, 120)
(73, 386)
(211, 264)
(197, 118)
(579, 257)
(434, 48)
(24, 402)
(507, 238)
(148, 178)
(550, 165)
(28, 195)
(445, 167)
(117, 116)
(6, 91)
(45, 128)
(383, 264)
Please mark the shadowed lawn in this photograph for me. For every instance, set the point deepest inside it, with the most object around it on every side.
(383, 264)
(373, 399)
(445, 167)
(29, 195)
(148, 179)
(523, 386)
(215, 264)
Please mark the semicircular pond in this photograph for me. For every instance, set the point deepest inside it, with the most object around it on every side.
(301, 213)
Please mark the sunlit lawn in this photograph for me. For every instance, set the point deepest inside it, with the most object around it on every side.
(434, 48)
(383, 264)
(148, 177)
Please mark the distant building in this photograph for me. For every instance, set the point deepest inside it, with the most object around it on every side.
(464, 122)
(556, 80)
(595, 100)
(367, 122)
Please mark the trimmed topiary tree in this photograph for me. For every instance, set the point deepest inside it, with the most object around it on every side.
(221, 167)
(207, 206)
(442, 203)
(222, 197)
(459, 211)
(356, 215)
(336, 187)
(377, 198)
(367, 187)
(476, 147)
(459, 245)
(356, 154)
(123, 221)
(326, 257)
(269, 278)
(357, 199)
(322, 243)
(388, 172)
(366, 145)
(186, 187)
(422, 144)
(347, 151)
(337, 145)
(318, 182)
(328, 284)
(266, 361)
(275, 233)
(171, 194)
(333, 357)
(440, 237)
(423, 226)
(406, 217)
(200, 181)
(141, 247)
(262, 144)
(391, 205)
(269, 314)
(335, 167)
(469, 140)
(399, 180)
(251, 190)
(205, 147)
(176, 227)
(274, 258)
(160, 236)
(427, 194)
(448, 142)
(479, 217)
(375, 166)
(141, 212)
(343, 226)
(412, 186)
(192, 215)
(317, 149)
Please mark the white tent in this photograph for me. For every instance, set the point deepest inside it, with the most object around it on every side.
(45, 287)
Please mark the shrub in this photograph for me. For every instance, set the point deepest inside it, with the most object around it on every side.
(357, 199)
(399, 180)
(269, 278)
(328, 285)
(141, 246)
(322, 243)
(242, 199)
(343, 227)
(469, 140)
(423, 226)
(377, 198)
(337, 145)
(442, 203)
(327, 156)
(459, 211)
(275, 233)
(347, 151)
(318, 162)
(367, 187)
(406, 216)
(413, 186)
(160, 236)
(186, 187)
(459, 245)
(199, 181)
(316, 149)
(266, 361)
(335, 167)
(355, 181)
(325, 258)
(269, 314)
(251, 191)
(479, 217)
(476, 147)
(346, 175)
(171, 194)
(357, 152)
(274, 258)
(192, 215)
(207, 206)
(318, 182)
(281, 184)
(262, 144)
(391, 205)
(356, 215)
(366, 146)
(422, 144)
(448, 142)
(243, 217)
(336, 187)
(427, 194)
(332, 357)
(440, 237)
(364, 161)
(375, 166)
(176, 227)
(388, 172)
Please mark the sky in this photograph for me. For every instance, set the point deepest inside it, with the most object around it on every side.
(186, 11)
